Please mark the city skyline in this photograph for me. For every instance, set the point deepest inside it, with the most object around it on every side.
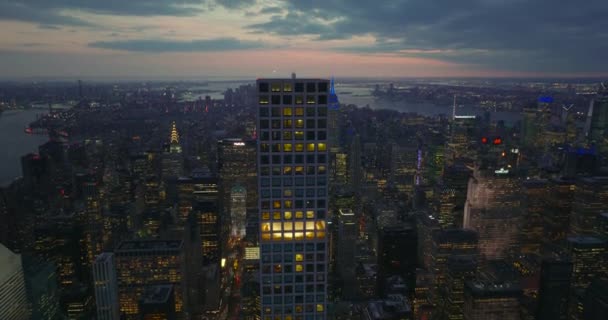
(164, 39)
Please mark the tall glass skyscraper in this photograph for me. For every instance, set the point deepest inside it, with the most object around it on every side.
(292, 181)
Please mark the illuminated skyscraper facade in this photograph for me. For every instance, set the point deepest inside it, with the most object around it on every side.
(292, 183)
(13, 297)
(590, 199)
(491, 301)
(106, 287)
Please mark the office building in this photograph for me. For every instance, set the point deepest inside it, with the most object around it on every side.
(355, 170)
(588, 256)
(13, 297)
(42, 288)
(535, 202)
(595, 304)
(493, 210)
(346, 243)
(394, 307)
(292, 183)
(557, 217)
(554, 289)
(485, 300)
(143, 263)
(397, 254)
(460, 270)
(157, 303)
(106, 287)
(590, 199)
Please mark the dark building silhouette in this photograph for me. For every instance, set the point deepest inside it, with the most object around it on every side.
(554, 289)
(397, 255)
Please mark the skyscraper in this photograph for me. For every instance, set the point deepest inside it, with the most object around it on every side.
(589, 202)
(106, 287)
(13, 298)
(292, 183)
(491, 301)
(554, 289)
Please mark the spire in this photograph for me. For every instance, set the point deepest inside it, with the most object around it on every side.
(333, 98)
(174, 134)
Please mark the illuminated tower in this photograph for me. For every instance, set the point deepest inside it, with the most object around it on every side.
(292, 183)
(174, 147)
(106, 287)
(13, 297)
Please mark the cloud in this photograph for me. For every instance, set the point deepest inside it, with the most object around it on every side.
(271, 10)
(162, 46)
(233, 4)
(541, 35)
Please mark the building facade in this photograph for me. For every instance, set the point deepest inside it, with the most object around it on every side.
(292, 183)
(106, 287)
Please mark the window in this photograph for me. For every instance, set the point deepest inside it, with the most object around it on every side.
(287, 111)
(277, 205)
(299, 111)
(321, 158)
(299, 147)
(287, 181)
(276, 215)
(321, 170)
(287, 159)
(310, 170)
(276, 147)
(310, 192)
(310, 123)
(310, 158)
(299, 87)
(263, 86)
(321, 111)
(266, 193)
(299, 123)
(322, 135)
(264, 171)
(287, 87)
(287, 215)
(320, 308)
(299, 135)
(310, 99)
(322, 86)
(299, 170)
(322, 147)
(287, 99)
(322, 123)
(264, 136)
(263, 124)
(276, 111)
(276, 135)
(264, 147)
(299, 268)
(310, 214)
(310, 134)
(276, 87)
(298, 99)
(310, 112)
(276, 99)
(266, 215)
(299, 257)
(299, 215)
(286, 135)
(263, 112)
(310, 87)
(287, 147)
(310, 147)
(276, 182)
(299, 158)
(276, 193)
(322, 99)
(264, 159)
(276, 124)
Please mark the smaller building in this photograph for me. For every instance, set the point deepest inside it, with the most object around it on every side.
(485, 300)
(157, 303)
(394, 307)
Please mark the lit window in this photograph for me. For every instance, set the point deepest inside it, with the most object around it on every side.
(299, 135)
(321, 169)
(287, 235)
(276, 215)
(266, 227)
(310, 214)
(265, 236)
(286, 135)
(299, 215)
(299, 100)
(322, 147)
(276, 226)
(320, 225)
(287, 204)
(299, 170)
(299, 268)
(299, 257)
(277, 236)
(287, 88)
(310, 235)
(287, 111)
(310, 147)
(299, 235)
(263, 100)
(286, 170)
(288, 226)
(310, 225)
(299, 147)
(287, 124)
(299, 123)
(275, 87)
(299, 226)
(265, 215)
(276, 204)
(287, 192)
(319, 308)
(320, 235)
(310, 99)
(287, 214)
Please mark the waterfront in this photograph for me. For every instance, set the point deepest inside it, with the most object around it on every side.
(14, 143)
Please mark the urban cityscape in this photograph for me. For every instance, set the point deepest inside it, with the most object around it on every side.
(431, 181)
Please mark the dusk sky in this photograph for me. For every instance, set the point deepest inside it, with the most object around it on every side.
(251, 38)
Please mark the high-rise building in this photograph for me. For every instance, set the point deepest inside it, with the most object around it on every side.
(236, 160)
(493, 210)
(13, 295)
(588, 256)
(397, 254)
(106, 287)
(535, 202)
(554, 289)
(557, 215)
(354, 163)
(42, 288)
(157, 302)
(597, 121)
(590, 199)
(292, 182)
(143, 263)
(485, 300)
(595, 305)
(449, 243)
(346, 243)
(460, 269)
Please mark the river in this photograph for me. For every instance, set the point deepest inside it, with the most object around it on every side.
(14, 143)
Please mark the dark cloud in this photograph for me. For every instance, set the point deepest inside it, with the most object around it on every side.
(519, 35)
(161, 46)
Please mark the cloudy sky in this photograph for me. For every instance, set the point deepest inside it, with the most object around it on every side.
(251, 38)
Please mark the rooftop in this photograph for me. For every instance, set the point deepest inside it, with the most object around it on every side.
(157, 294)
(149, 245)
